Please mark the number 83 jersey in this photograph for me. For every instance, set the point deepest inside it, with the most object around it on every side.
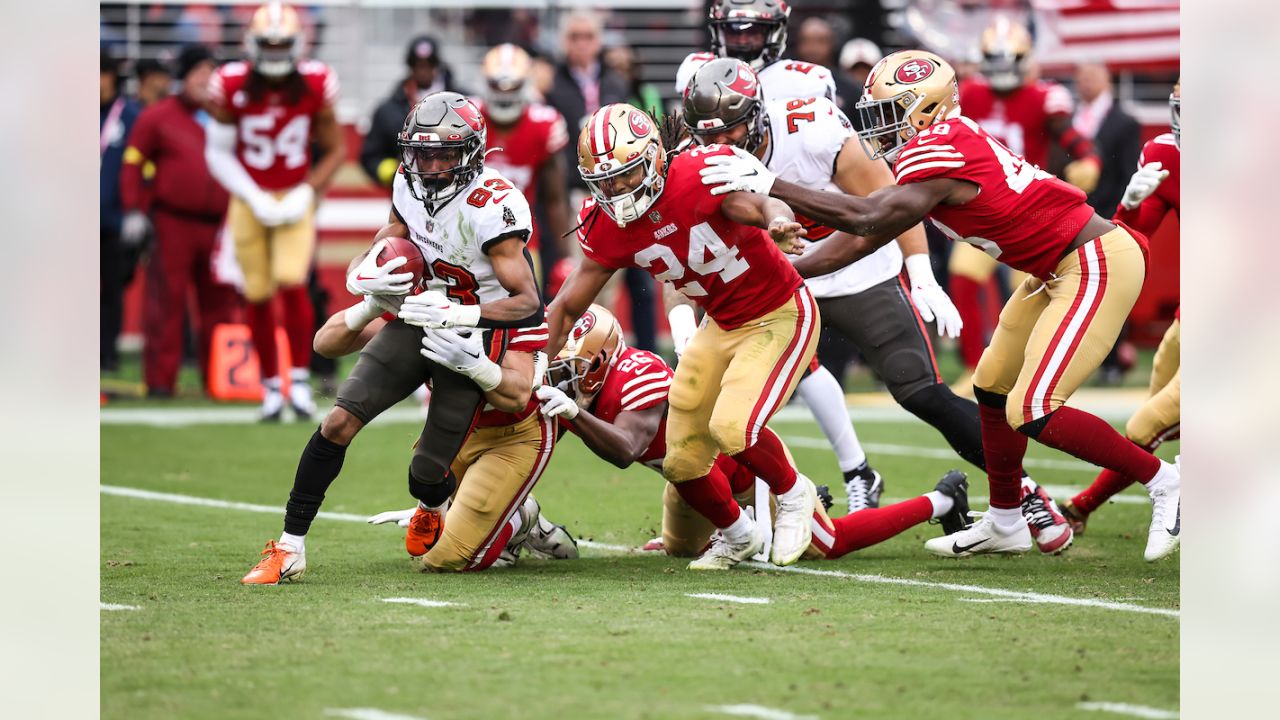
(455, 241)
(734, 272)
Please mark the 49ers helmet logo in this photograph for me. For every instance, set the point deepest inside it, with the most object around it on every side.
(640, 125)
(583, 325)
(914, 71)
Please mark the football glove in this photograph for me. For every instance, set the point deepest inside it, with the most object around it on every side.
(399, 517)
(683, 325)
(741, 172)
(134, 228)
(432, 309)
(370, 278)
(930, 299)
(555, 403)
(296, 203)
(1143, 183)
(265, 207)
(462, 351)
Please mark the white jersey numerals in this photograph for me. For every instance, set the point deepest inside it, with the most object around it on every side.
(725, 261)
(1018, 173)
(261, 149)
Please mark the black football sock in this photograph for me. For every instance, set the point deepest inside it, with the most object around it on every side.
(319, 465)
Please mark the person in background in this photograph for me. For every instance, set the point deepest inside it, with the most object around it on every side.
(185, 206)
(154, 80)
(816, 44)
(857, 57)
(115, 119)
(379, 155)
(1116, 135)
(622, 60)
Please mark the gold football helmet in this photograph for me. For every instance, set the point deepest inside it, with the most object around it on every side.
(1006, 54)
(621, 158)
(1175, 113)
(274, 42)
(588, 355)
(905, 93)
(506, 73)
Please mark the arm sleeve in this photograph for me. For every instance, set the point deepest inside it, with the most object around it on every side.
(224, 166)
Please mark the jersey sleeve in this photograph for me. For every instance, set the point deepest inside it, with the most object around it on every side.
(939, 155)
(503, 214)
(224, 83)
(1057, 101)
(321, 80)
(592, 224)
(830, 132)
(647, 384)
(706, 203)
(557, 135)
(690, 66)
(530, 339)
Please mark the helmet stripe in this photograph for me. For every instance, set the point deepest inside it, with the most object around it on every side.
(600, 131)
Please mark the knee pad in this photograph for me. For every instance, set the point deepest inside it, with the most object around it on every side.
(730, 435)
(907, 372)
(429, 482)
(680, 466)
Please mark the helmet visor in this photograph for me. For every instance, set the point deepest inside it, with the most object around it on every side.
(624, 192)
(274, 56)
(744, 40)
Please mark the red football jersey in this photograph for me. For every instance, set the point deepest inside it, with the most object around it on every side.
(734, 272)
(1018, 119)
(1167, 198)
(539, 134)
(1022, 216)
(521, 340)
(274, 139)
(638, 380)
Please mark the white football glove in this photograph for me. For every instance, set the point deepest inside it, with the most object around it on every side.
(370, 278)
(399, 517)
(683, 325)
(555, 403)
(539, 368)
(462, 351)
(432, 309)
(296, 203)
(265, 207)
(1142, 184)
(930, 299)
(134, 228)
(742, 172)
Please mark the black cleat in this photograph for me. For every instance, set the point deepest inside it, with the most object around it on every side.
(824, 495)
(955, 485)
(863, 487)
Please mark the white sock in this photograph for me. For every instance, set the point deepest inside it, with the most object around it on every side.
(297, 542)
(272, 384)
(516, 524)
(825, 398)
(1006, 519)
(797, 490)
(1166, 477)
(740, 531)
(942, 504)
(300, 375)
(436, 509)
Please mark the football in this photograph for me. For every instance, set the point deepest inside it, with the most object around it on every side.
(401, 247)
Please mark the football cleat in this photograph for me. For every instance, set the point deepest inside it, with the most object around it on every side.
(723, 555)
(549, 540)
(279, 563)
(1166, 516)
(425, 528)
(981, 538)
(863, 487)
(654, 545)
(1048, 527)
(1076, 517)
(793, 523)
(824, 497)
(955, 485)
(300, 400)
(272, 404)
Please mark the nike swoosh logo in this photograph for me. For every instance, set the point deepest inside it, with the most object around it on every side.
(499, 198)
(957, 548)
(753, 173)
(1177, 521)
(471, 354)
(361, 277)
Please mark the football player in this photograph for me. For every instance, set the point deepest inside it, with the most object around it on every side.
(1084, 274)
(525, 138)
(811, 142)
(614, 398)
(1027, 115)
(470, 225)
(1153, 193)
(268, 112)
(761, 327)
(755, 32)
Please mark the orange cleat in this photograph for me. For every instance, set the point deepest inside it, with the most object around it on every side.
(425, 528)
(279, 563)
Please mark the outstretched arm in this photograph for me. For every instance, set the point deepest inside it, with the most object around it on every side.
(579, 291)
(880, 217)
(623, 441)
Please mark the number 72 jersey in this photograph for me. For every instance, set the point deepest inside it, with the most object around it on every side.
(1022, 216)
(734, 272)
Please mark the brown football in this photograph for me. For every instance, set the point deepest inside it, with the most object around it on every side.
(401, 247)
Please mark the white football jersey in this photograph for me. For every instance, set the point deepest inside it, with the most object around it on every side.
(454, 240)
(805, 138)
(779, 79)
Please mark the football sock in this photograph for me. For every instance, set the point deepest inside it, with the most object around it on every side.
(1165, 477)
(1003, 447)
(262, 327)
(299, 324)
(433, 495)
(1106, 485)
(953, 416)
(768, 460)
(1007, 519)
(966, 295)
(297, 542)
(740, 530)
(825, 398)
(942, 504)
(875, 525)
(1093, 440)
(319, 465)
(710, 496)
(499, 544)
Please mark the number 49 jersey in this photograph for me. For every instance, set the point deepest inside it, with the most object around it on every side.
(1022, 216)
(455, 241)
(734, 272)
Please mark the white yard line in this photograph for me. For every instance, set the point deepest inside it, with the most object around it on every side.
(758, 711)
(113, 606)
(423, 602)
(210, 502)
(368, 714)
(934, 453)
(1138, 711)
(730, 598)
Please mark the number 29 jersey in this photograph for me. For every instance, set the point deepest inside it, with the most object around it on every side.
(1022, 216)
(734, 272)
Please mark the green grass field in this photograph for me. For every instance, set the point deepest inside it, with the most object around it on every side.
(882, 633)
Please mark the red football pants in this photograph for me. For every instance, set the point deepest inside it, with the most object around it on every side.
(181, 264)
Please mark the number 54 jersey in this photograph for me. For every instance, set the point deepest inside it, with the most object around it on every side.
(734, 272)
(456, 240)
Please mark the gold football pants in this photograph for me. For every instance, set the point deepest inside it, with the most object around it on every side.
(270, 257)
(1160, 416)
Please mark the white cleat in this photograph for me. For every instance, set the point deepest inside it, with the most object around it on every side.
(723, 555)
(300, 400)
(793, 525)
(272, 404)
(1166, 515)
(982, 538)
(549, 540)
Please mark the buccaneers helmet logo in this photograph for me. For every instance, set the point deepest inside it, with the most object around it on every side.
(470, 116)
(744, 82)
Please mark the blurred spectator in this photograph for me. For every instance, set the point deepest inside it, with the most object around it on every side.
(816, 44)
(154, 79)
(379, 155)
(115, 119)
(857, 57)
(185, 206)
(622, 60)
(1116, 135)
